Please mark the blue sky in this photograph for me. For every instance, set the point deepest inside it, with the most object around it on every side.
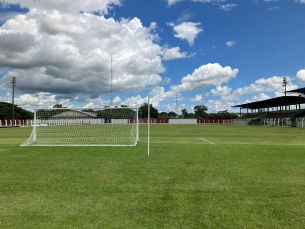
(218, 53)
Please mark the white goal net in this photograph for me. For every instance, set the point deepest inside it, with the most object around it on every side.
(84, 127)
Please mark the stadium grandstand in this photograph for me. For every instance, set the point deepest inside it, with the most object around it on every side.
(283, 107)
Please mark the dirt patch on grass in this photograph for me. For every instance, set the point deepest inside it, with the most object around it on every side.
(2, 150)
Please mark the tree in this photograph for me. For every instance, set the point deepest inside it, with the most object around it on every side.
(191, 115)
(6, 112)
(185, 113)
(226, 115)
(163, 115)
(172, 114)
(57, 105)
(201, 111)
(116, 113)
(89, 110)
(222, 115)
(143, 110)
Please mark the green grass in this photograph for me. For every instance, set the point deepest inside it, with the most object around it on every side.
(252, 177)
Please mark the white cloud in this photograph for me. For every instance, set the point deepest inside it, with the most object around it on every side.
(209, 1)
(158, 94)
(230, 43)
(301, 76)
(7, 98)
(273, 84)
(221, 91)
(63, 54)
(66, 6)
(37, 100)
(300, 1)
(197, 99)
(228, 7)
(270, 0)
(166, 80)
(185, 15)
(260, 97)
(186, 31)
(206, 75)
(218, 105)
(172, 2)
(274, 8)
(174, 53)
(48, 100)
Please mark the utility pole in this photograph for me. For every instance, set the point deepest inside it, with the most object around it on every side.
(14, 84)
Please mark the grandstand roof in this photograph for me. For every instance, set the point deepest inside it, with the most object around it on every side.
(300, 90)
(275, 102)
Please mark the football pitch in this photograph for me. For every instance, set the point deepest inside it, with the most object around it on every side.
(197, 176)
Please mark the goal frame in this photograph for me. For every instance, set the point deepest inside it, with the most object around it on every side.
(34, 132)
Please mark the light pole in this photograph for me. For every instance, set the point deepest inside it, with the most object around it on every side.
(14, 84)
(177, 109)
(284, 85)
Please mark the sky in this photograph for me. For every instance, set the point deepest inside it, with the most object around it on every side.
(217, 53)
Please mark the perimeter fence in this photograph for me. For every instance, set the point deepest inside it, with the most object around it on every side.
(280, 122)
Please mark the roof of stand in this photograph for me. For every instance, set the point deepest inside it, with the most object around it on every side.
(275, 102)
(300, 90)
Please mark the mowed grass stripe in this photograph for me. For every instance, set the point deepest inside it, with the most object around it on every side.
(226, 185)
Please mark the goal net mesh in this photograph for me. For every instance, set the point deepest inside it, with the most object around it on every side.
(84, 127)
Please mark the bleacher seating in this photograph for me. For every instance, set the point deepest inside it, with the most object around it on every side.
(250, 116)
(300, 115)
(278, 115)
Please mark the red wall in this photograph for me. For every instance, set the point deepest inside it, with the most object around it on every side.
(18, 122)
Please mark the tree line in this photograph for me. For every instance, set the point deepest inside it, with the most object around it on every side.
(19, 113)
(200, 111)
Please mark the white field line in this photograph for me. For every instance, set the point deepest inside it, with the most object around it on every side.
(207, 141)
(242, 143)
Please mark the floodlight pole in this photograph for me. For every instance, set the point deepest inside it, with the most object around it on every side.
(111, 90)
(148, 120)
(177, 109)
(284, 85)
(13, 99)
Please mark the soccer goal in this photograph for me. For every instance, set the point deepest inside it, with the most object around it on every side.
(85, 127)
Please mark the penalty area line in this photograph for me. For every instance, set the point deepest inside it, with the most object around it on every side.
(207, 141)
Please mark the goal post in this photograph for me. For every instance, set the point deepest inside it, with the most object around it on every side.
(117, 126)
